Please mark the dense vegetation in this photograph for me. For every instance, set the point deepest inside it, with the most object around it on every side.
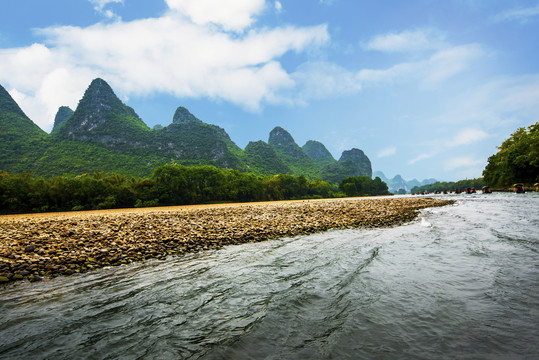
(517, 160)
(363, 186)
(16, 152)
(450, 186)
(171, 184)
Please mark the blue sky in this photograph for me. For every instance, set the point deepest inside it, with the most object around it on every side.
(425, 88)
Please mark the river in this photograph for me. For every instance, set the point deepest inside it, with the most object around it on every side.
(461, 281)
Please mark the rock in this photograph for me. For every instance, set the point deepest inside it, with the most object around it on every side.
(45, 248)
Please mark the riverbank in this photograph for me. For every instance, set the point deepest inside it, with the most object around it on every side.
(39, 246)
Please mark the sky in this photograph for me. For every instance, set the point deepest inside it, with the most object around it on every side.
(426, 88)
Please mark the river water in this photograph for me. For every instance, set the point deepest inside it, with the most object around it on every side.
(461, 281)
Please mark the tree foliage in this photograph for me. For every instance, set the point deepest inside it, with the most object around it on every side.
(517, 160)
(450, 185)
(363, 186)
(170, 184)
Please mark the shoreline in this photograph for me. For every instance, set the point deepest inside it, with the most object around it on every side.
(38, 246)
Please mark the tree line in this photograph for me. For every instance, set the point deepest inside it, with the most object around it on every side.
(450, 186)
(170, 184)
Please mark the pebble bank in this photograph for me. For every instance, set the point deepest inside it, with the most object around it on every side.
(38, 247)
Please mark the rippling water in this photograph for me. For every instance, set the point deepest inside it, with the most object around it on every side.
(460, 282)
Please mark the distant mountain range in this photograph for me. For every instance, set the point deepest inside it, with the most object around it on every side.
(104, 134)
(397, 182)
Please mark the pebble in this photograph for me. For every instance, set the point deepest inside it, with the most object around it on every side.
(74, 243)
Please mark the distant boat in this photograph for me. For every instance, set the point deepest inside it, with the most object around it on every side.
(536, 187)
(486, 190)
(518, 188)
(470, 191)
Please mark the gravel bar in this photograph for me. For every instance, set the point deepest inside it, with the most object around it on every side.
(39, 246)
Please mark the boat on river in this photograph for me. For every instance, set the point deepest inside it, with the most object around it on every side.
(518, 188)
(486, 190)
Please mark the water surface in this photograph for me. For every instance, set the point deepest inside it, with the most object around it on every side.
(460, 282)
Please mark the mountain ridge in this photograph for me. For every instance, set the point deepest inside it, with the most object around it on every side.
(397, 182)
(104, 134)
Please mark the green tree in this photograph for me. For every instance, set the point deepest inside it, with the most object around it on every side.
(517, 159)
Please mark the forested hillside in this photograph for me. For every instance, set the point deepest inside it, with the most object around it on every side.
(105, 135)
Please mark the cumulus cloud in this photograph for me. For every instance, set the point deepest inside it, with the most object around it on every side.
(172, 54)
(232, 15)
(278, 6)
(415, 40)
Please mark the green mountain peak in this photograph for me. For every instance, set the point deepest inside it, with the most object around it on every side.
(21, 141)
(182, 115)
(318, 152)
(8, 104)
(261, 158)
(291, 154)
(103, 117)
(279, 137)
(359, 160)
(63, 113)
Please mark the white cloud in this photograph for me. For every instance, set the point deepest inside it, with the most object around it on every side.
(467, 136)
(495, 103)
(278, 6)
(518, 14)
(319, 80)
(462, 162)
(431, 72)
(463, 137)
(495, 109)
(415, 40)
(387, 152)
(99, 6)
(168, 54)
(421, 157)
(449, 62)
(232, 15)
